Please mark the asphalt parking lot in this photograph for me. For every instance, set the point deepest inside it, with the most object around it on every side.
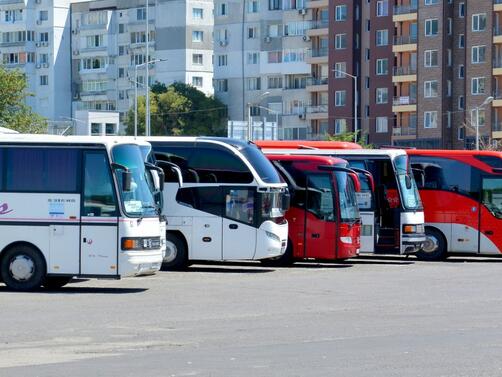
(365, 317)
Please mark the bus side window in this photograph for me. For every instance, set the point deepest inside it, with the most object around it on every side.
(239, 205)
(99, 198)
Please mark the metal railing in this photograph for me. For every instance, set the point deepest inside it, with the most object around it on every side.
(405, 39)
(404, 100)
(403, 71)
(404, 131)
(311, 81)
(317, 52)
(316, 109)
(405, 8)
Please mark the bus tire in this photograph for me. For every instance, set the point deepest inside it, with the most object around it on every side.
(56, 282)
(435, 246)
(284, 260)
(176, 253)
(23, 268)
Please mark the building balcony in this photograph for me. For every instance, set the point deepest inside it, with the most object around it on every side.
(404, 74)
(497, 34)
(316, 112)
(318, 28)
(13, 44)
(5, 2)
(497, 5)
(317, 4)
(317, 84)
(404, 132)
(497, 67)
(497, 99)
(407, 12)
(405, 43)
(404, 104)
(317, 56)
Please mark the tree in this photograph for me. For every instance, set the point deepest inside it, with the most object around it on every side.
(180, 109)
(350, 137)
(14, 113)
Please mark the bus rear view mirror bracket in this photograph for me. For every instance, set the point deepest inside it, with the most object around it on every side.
(174, 168)
(126, 176)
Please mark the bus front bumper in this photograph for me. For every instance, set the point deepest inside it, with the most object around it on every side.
(138, 263)
(412, 243)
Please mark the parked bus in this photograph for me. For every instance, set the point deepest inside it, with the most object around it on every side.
(397, 222)
(324, 221)
(462, 196)
(73, 206)
(232, 204)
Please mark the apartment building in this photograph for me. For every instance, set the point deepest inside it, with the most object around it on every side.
(35, 38)
(109, 49)
(263, 59)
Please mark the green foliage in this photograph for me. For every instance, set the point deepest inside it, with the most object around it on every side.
(14, 113)
(180, 109)
(349, 137)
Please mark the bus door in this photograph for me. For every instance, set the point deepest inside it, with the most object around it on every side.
(491, 222)
(320, 218)
(239, 219)
(99, 220)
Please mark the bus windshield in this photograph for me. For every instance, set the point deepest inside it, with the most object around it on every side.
(407, 185)
(261, 164)
(139, 202)
(349, 210)
(272, 206)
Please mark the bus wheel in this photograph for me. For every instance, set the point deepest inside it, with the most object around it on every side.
(176, 257)
(284, 260)
(434, 248)
(56, 282)
(23, 268)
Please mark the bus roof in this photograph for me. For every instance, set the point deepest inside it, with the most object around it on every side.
(484, 160)
(325, 160)
(444, 153)
(107, 141)
(391, 153)
(237, 144)
(306, 144)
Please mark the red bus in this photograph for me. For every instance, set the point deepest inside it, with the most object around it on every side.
(323, 218)
(394, 221)
(462, 196)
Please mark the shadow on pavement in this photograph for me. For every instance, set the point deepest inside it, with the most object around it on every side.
(382, 259)
(82, 290)
(229, 270)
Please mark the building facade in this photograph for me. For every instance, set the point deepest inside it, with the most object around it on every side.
(35, 38)
(109, 49)
(263, 57)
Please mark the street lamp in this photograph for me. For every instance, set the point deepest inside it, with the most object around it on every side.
(147, 120)
(485, 102)
(250, 121)
(355, 99)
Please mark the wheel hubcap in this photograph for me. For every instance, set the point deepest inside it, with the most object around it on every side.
(171, 252)
(431, 245)
(22, 268)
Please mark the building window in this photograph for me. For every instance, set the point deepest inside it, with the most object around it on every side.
(430, 89)
(141, 14)
(341, 13)
(382, 8)
(382, 37)
(253, 6)
(382, 125)
(197, 36)
(449, 57)
(222, 9)
(461, 41)
(478, 85)
(43, 15)
(274, 4)
(461, 133)
(221, 85)
(461, 10)
(274, 56)
(478, 54)
(431, 58)
(222, 60)
(382, 66)
(479, 22)
(252, 32)
(431, 2)
(340, 41)
(340, 97)
(121, 73)
(44, 80)
(197, 81)
(461, 71)
(340, 67)
(448, 88)
(430, 119)
(431, 27)
(253, 58)
(340, 126)
(275, 82)
(197, 59)
(460, 102)
(253, 83)
(450, 26)
(197, 13)
(481, 117)
(121, 28)
(382, 95)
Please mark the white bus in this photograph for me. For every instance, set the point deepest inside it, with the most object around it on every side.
(394, 220)
(72, 206)
(231, 206)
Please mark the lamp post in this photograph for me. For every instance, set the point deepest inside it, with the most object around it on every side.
(147, 119)
(485, 102)
(250, 121)
(355, 100)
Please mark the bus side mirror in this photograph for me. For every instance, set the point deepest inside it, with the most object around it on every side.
(126, 181)
(286, 202)
(355, 180)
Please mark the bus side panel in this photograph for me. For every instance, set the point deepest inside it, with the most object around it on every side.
(296, 220)
(48, 221)
(367, 232)
(491, 235)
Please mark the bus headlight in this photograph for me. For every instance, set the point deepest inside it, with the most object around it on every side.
(410, 229)
(275, 237)
(347, 240)
(141, 243)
